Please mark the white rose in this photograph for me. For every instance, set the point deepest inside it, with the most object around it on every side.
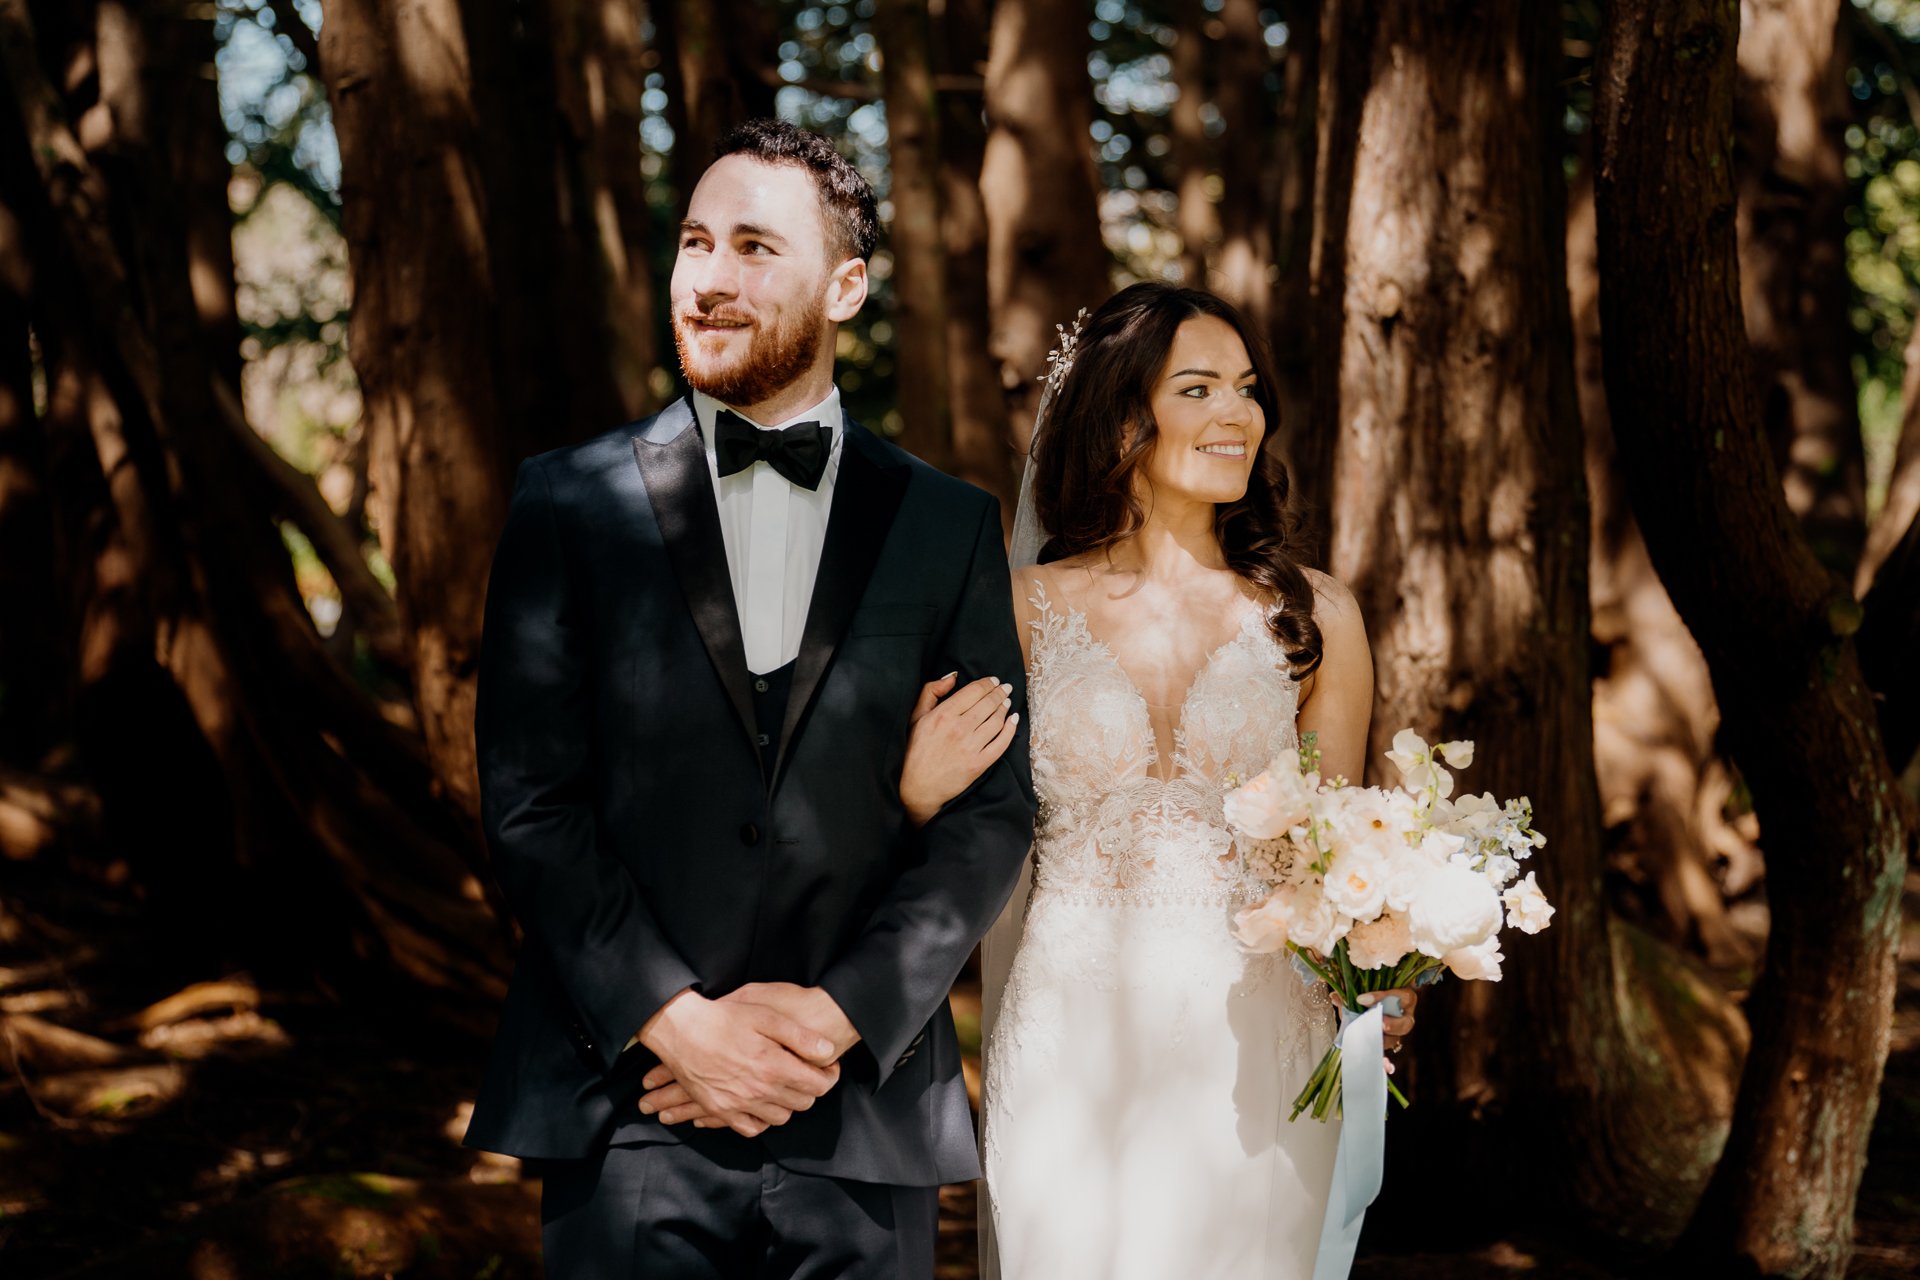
(1315, 924)
(1405, 871)
(1263, 928)
(1271, 802)
(1527, 908)
(1370, 817)
(1477, 963)
(1454, 907)
(1357, 882)
(1379, 943)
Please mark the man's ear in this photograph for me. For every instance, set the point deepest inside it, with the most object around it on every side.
(847, 290)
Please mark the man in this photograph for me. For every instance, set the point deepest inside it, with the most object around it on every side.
(705, 636)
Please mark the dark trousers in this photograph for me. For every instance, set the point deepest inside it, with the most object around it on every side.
(716, 1208)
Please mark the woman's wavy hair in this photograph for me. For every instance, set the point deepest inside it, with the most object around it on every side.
(1100, 431)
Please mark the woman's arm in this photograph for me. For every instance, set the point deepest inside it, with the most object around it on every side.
(1336, 701)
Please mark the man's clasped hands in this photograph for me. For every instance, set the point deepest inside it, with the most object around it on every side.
(746, 1061)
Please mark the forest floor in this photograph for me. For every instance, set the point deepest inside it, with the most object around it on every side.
(153, 1127)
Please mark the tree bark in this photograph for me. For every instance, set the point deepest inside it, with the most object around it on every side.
(715, 44)
(1247, 173)
(1345, 65)
(478, 322)
(1775, 628)
(32, 692)
(242, 766)
(919, 265)
(982, 445)
(1291, 327)
(1045, 257)
(1889, 586)
(597, 67)
(1790, 110)
(1190, 154)
(1663, 782)
(1460, 524)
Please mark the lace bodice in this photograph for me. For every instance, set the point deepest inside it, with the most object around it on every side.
(1119, 819)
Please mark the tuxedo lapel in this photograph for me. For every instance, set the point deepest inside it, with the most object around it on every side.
(866, 497)
(673, 463)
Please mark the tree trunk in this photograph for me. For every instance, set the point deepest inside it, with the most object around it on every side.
(1187, 133)
(597, 61)
(1460, 524)
(478, 320)
(919, 266)
(1790, 110)
(32, 678)
(1045, 257)
(982, 445)
(1663, 782)
(1889, 586)
(244, 769)
(716, 45)
(1296, 146)
(1345, 65)
(1774, 626)
(1247, 174)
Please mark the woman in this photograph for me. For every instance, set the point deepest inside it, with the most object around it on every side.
(1140, 1066)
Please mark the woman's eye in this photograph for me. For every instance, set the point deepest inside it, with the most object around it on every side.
(1198, 393)
(1246, 392)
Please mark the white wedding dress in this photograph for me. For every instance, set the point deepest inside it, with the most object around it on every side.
(1139, 1066)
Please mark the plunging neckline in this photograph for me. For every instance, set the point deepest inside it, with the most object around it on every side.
(1133, 686)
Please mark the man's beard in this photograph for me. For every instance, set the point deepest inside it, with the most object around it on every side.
(775, 358)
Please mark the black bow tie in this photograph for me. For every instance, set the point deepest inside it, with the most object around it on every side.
(798, 452)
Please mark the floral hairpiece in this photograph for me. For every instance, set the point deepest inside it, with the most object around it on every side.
(1059, 363)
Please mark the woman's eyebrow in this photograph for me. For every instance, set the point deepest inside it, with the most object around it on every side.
(1198, 373)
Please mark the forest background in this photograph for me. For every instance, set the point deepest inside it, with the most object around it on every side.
(1595, 325)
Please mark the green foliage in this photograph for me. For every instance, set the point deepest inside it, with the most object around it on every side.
(1883, 238)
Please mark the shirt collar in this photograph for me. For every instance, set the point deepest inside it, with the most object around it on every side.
(826, 413)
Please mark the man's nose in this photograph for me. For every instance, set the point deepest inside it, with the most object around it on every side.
(713, 278)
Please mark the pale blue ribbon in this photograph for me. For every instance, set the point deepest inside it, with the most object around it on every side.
(1358, 1168)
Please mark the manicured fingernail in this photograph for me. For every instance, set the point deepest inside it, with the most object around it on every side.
(1014, 718)
(1006, 702)
(1367, 998)
(950, 675)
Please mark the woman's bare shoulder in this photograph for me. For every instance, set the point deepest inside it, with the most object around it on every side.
(1332, 602)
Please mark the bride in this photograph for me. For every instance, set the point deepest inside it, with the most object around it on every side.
(1139, 1066)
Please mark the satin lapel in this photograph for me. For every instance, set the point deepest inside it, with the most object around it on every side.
(866, 497)
(674, 466)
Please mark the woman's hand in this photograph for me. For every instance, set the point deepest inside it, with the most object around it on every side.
(953, 742)
(1394, 1028)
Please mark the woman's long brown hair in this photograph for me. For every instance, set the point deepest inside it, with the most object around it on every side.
(1100, 431)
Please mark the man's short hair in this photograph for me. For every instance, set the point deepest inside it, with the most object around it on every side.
(847, 201)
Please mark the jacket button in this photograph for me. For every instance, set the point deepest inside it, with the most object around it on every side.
(759, 686)
(765, 741)
(749, 834)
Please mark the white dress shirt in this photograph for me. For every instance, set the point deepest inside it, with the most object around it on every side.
(773, 530)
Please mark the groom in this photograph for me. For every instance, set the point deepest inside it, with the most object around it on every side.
(705, 635)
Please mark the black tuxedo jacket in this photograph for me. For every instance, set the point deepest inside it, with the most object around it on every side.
(644, 849)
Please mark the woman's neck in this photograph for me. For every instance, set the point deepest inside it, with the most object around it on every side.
(1177, 538)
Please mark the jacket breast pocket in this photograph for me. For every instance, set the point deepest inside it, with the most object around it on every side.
(893, 620)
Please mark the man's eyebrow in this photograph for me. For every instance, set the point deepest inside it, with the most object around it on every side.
(692, 225)
(757, 232)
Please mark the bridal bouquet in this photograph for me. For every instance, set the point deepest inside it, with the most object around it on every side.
(1379, 888)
